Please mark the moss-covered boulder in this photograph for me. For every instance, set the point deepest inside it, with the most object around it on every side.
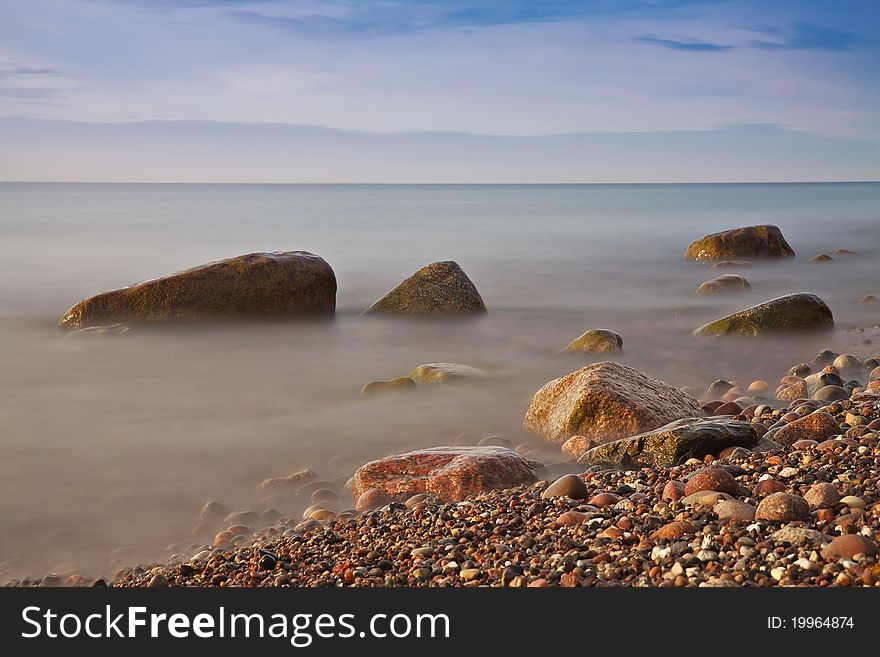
(751, 242)
(673, 444)
(281, 284)
(596, 341)
(724, 284)
(438, 289)
(793, 312)
(445, 372)
(605, 401)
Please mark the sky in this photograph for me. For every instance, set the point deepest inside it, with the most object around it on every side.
(439, 91)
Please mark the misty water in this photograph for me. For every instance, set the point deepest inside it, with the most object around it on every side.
(118, 441)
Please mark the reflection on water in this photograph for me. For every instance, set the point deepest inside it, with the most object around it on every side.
(118, 441)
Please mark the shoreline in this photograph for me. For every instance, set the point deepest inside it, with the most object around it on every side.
(629, 528)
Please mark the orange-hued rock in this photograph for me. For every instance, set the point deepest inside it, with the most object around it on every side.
(674, 530)
(448, 473)
(282, 284)
(711, 478)
(815, 426)
(606, 401)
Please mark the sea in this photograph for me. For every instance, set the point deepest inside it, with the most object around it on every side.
(110, 446)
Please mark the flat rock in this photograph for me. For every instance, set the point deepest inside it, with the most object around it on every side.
(605, 401)
(445, 372)
(281, 284)
(751, 242)
(798, 536)
(815, 426)
(705, 497)
(596, 341)
(374, 388)
(447, 473)
(673, 443)
(794, 312)
(438, 289)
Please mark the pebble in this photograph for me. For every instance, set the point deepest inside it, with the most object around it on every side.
(853, 502)
(734, 511)
(713, 479)
(822, 495)
(848, 546)
(782, 507)
(570, 486)
(372, 499)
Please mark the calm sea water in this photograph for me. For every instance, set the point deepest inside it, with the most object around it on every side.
(119, 441)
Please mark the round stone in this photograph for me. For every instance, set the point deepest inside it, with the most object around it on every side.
(372, 499)
(831, 393)
(853, 502)
(782, 507)
(673, 490)
(604, 499)
(734, 511)
(849, 545)
(822, 495)
(569, 485)
(759, 386)
(711, 478)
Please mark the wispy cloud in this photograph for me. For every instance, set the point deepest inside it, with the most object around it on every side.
(690, 45)
(12, 71)
(806, 36)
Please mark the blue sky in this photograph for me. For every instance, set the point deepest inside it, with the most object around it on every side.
(513, 68)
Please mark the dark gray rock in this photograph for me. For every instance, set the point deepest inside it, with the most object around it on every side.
(673, 443)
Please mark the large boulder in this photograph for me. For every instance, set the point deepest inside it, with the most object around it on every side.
(441, 288)
(794, 312)
(605, 401)
(750, 242)
(280, 284)
(673, 444)
(448, 473)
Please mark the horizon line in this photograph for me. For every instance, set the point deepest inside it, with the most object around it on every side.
(438, 184)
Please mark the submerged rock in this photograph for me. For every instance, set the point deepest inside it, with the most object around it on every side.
(793, 312)
(750, 242)
(441, 288)
(374, 388)
(724, 284)
(605, 401)
(673, 444)
(448, 473)
(596, 341)
(443, 372)
(281, 284)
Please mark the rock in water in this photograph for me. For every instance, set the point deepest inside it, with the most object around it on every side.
(596, 341)
(444, 372)
(448, 473)
(605, 401)
(750, 242)
(281, 284)
(374, 388)
(441, 288)
(673, 444)
(724, 284)
(793, 312)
